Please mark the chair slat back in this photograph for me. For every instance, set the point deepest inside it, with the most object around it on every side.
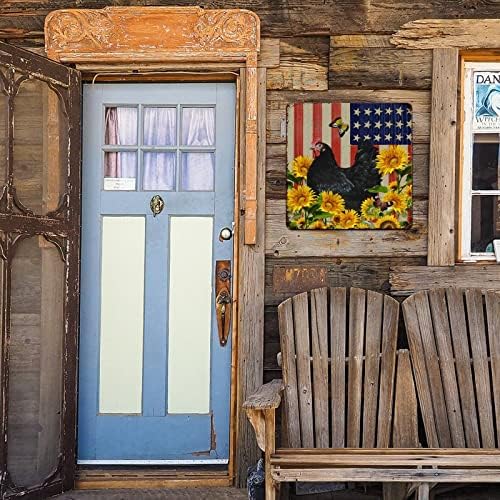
(454, 338)
(338, 358)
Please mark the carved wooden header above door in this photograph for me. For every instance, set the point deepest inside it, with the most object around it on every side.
(184, 35)
(151, 33)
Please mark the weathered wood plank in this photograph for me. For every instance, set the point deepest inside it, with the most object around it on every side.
(373, 333)
(303, 352)
(338, 325)
(420, 370)
(357, 301)
(439, 312)
(319, 343)
(405, 280)
(303, 65)
(458, 322)
(405, 432)
(430, 357)
(251, 310)
(269, 55)
(492, 300)
(477, 335)
(387, 370)
(287, 333)
(371, 67)
(442, 158)
(268, 396)
(360, 41)
(448, 33)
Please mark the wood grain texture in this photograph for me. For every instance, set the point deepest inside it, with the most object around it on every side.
(405, 280)
(278, 18)
(387, 371)
(447, 33)
(357, 309)
(442, 158)
(439, 312)
(384, 68)
(303, 65)
(319, 345)
(267, 396)
(465, 381)
(373, 333)
(251, 302)
(338, 335)
(492, 300)
(304, 383)
(287, 333)
(477, 336)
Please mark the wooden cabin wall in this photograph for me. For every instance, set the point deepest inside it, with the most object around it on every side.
(317, 50)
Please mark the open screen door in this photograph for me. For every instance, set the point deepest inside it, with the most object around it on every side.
(39, 272)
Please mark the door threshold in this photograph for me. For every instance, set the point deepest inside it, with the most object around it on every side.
(152, 477)
(180, 463)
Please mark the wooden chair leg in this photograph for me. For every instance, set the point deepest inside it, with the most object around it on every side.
(270, 431)
(423, 492)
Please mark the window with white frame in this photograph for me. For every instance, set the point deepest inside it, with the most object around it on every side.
(480, 180)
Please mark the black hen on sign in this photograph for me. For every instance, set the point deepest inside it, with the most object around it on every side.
(325, 174)
(363, 173)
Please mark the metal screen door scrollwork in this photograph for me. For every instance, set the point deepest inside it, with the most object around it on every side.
(39, 272)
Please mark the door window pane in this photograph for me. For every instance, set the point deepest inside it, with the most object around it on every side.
(120, 171)
(35, 361)
(122, 313)
(120, 126)
(198, 126)
(485, 162)
(160, 126)
(198, 171)
(158, 171)
(485, 223)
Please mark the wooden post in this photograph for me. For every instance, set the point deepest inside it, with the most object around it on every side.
(270, 418)
(442, 167)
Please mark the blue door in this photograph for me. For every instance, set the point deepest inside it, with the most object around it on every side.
(158, 188)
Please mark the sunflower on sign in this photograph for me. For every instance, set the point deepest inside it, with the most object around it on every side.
(389, 207)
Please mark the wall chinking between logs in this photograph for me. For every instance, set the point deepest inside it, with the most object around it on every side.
(315, 51)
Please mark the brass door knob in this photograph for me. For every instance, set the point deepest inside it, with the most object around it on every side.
(156, 204)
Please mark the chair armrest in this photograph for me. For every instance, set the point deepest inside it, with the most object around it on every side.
(268, 396)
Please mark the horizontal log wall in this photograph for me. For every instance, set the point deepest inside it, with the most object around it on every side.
(318, 51)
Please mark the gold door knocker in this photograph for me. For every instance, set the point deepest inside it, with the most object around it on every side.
(157, 204)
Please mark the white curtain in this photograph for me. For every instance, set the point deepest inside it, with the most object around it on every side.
(121, 129)
(198, 129)
(159, 130)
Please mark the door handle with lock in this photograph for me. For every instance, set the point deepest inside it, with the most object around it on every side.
(223, 300)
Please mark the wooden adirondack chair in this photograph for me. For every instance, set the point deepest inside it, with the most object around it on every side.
(454, 339)
(339, 363)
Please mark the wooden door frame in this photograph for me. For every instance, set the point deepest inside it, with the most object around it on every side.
(193, 44)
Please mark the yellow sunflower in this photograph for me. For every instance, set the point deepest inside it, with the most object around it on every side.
(391, 159)
(332, 202)
(393, 185)
(408, 190)
(317, 224)
(387, 222)
(300, 197)
(300, 166)
(367, 206)
(399, 201)
(349, 219)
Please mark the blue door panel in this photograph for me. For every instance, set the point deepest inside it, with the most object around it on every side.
(154, 434)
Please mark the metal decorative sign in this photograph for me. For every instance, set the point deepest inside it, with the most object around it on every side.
(349, 166)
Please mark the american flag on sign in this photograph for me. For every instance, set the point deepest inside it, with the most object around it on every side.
(371, 143)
